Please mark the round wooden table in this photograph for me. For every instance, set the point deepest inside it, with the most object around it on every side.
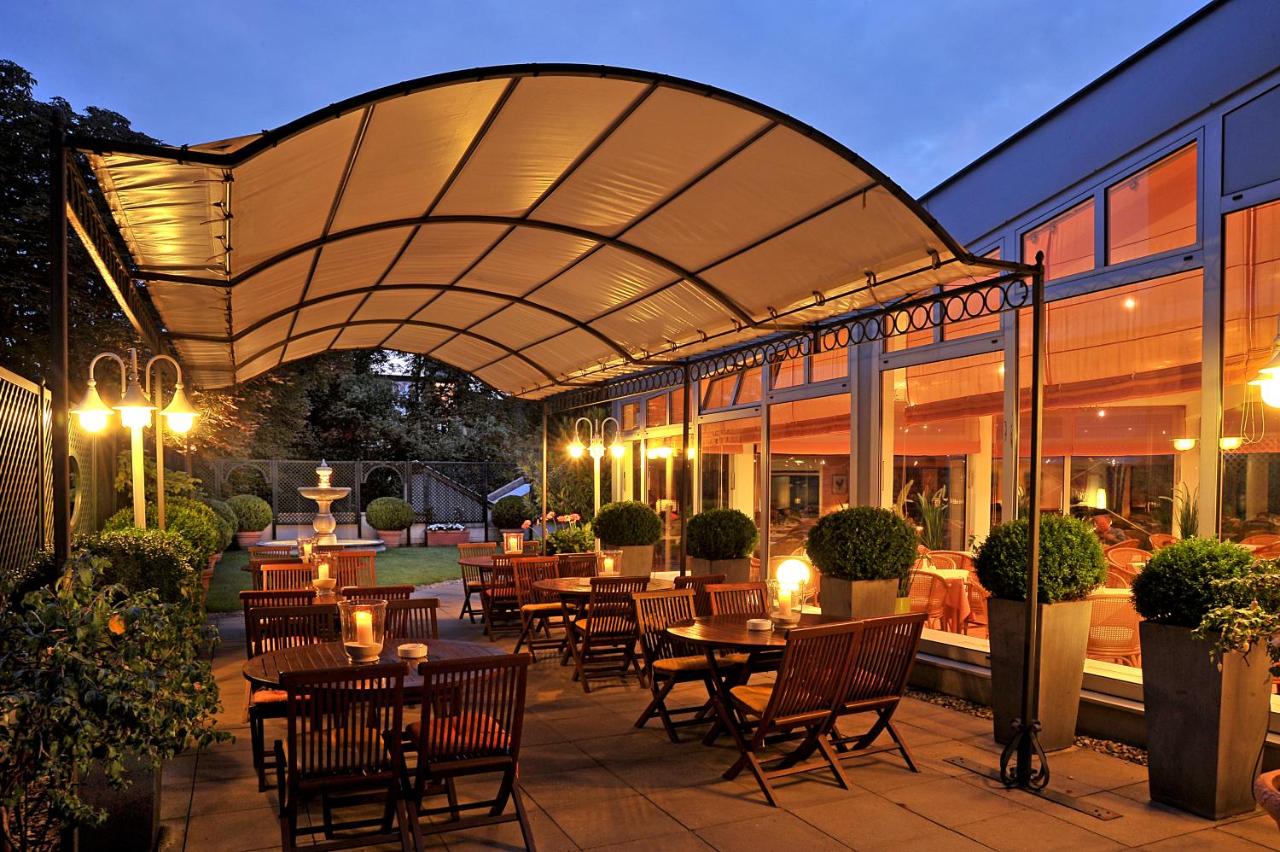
(482, 562)
(730, 631)
(580, 587)
(264, 670)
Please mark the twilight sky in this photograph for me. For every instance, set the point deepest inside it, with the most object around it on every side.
(918, 87)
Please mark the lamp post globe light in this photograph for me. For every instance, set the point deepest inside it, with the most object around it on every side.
(135, 407)
(595, 446)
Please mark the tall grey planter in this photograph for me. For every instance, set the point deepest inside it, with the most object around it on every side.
(1063, 639)
(1205, 725)
(858, 598)
(734, 570)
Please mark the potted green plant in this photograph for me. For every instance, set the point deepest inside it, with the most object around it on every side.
(862, 553)
(229, 521)
(1071, 566)
(253, 516)
(720, 541)
(1205, 674)
(509, 515)
(633, 528)
(450, 535)
(389, 517)
(572, 537)
(197, 523)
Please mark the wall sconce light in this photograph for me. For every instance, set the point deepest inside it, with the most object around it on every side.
(1184, 445)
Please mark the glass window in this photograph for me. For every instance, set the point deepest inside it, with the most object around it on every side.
(729, 455)
(808, 467)
(655, 409)
(677, 406)
(663, 460)
(832, 364)
(787, 374)
(718, 392)
(1154, 210)
(630, 411)
(1067, 242)
(749, 390)
(1250, 471)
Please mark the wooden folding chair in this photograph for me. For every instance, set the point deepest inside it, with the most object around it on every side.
(472, 720)
(472, 574)
(577, 564)
(603, 642)
(498, 596)
(538, 610)
(413, 618)
(800, 704)
(877, 683)
(750, 599)
(344, 740)
(354, 567)
(272, 628)
(251, 599)
(289, 576)
(386, 593)
(669, 662)
(275, 555)
(699, 584)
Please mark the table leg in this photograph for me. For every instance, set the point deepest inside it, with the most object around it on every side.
(720, 698)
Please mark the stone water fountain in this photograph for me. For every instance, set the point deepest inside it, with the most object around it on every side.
(324, 494)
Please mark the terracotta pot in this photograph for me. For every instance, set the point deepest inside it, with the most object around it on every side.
(858, 598)
(734, 570)
(391, 538)
(246, 540)
(206, 577)
(1063, 638)
(447, 538)
(1205, 724)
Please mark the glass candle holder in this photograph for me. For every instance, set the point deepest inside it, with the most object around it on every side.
(306, 549)
(608, 563)
(786, 600)
(513, 543)
(323, 576)
(364, 623)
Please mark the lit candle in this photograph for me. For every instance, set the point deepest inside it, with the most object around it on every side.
(322, 572)
(784, 601)
(608, 565)
(364, 627)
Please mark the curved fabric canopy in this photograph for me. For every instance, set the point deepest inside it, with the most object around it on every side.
(542, 227)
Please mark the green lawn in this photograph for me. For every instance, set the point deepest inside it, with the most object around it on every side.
(414, 565)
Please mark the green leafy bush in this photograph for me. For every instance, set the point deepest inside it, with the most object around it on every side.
(40, 572)
(721, 534)
(510, 512)
(862, 543)
(627, 524)
(177, 483)
(1246, 614)
(389, 513)
(198, 524)
(229, 521)
(252, 512)
(1071, 560)
(573, 538)
(142, 560)
(1178, 585)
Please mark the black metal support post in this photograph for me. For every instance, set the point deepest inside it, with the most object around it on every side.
(686, 470)
(58, 350)
(544, 465)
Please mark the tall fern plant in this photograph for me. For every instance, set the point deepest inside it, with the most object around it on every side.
(1188, 511)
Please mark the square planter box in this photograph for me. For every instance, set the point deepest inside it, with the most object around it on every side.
(133, 814)
(447, 538)
(637, 559)
(734, 570)
(858, 598)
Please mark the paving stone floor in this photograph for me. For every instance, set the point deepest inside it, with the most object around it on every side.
(593, 781)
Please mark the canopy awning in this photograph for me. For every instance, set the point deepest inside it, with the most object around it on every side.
(541, 227)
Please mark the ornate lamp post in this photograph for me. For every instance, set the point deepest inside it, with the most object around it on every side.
(135, 407)
(595, 446)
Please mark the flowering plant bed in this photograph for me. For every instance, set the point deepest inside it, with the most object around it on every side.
(447, 535)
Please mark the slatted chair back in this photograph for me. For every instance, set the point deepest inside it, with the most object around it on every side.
(529, 570)
(1161, 540)
(260, 554)
(957, 558)
(814, 677)
(354, 567)
(336, 720)
(413, 618)
(386, 593)
(294, 576)
(1261, 539)
(927, 593)
(468, 550)
(610, 607)
(500, 581)
(655, 612)
(1113, 630)
(753, 570)
(533, 547)
(1124, 556)
(472, 710)
(885, 656)
(699, 585)
(274, 628)
(577, 564)
(253, 598)
(749, 599)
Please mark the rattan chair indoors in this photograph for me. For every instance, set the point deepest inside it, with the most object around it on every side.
(978, 618)
(603, 642)
(386, 593)
(1261, 539)
(272, 628)
(577, 564)
(877, 683)
(472, 720)
(750, 599)
(940, 559)
(956, 558)
(343, 739)
(699, 584)
(927, 593)
(295, 576)
(498, 597)
(1161, 540)
(472, 575)
(1118, 578)
(413, 618)
(539, 611)
(1125, 555)
(1113, 630)
(1269, 551)
(801, 704)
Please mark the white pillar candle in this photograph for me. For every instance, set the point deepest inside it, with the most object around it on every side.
(784, 602)
(364, 627)
(608, 565)
(322, 572)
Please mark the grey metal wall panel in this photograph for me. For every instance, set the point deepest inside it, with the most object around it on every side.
(1251, 144)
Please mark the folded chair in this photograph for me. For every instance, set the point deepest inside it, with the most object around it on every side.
(293, 575)
(538, 609)
(699, 584)
(343, 740)
(472, 718)
(413, 618)
(877, 683)
(386, 593)
(273, 628)
(750, 599)
(498, 596)
(801, 704)
(603, 642)
(471, 574)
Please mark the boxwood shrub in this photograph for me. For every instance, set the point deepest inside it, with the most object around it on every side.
(721, 534)
(199, 525)
(862, 543)
(1177, 585)
(1071, 560)
(148, 559)
(229, 520)
(510, 512)
(629, 523)
(389, 513)
(252, 512)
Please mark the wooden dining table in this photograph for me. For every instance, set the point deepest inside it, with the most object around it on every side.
(579, 588)
(265, 670)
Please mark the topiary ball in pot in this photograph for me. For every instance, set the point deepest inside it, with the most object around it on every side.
(389, 516)
(229, 520)
(195, 522)
(252, 512)
(863, 553)
(1071, 560)
(721, 534)
(1176, 587)
(633, 528)
(510, 512)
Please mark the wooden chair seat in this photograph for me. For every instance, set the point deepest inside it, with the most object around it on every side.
(470, 732)
(752, 698)
(266, 696)
(672, 665)
(541, 607)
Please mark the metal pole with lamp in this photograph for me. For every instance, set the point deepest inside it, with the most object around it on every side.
(595, 447)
